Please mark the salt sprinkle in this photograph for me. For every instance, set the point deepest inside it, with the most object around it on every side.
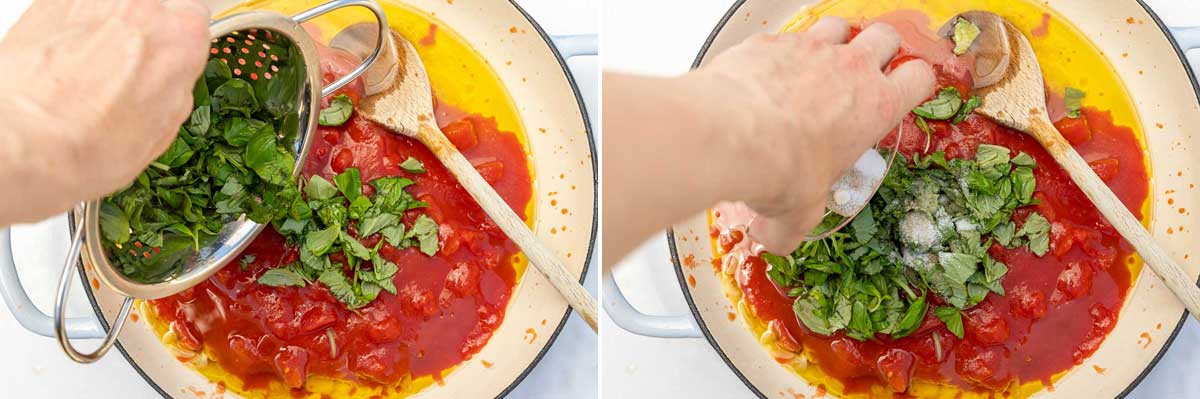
(853, 190)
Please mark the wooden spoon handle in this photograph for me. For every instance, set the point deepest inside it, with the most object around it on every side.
(539, 255)
(1119, 216)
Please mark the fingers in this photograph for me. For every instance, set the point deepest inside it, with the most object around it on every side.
(832, 30)
(914, 82)
(879, 41)
(783, 234)
(189, 9)
(190, 38)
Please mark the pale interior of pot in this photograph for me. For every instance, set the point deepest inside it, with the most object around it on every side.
(1160, 86)
(561, 158)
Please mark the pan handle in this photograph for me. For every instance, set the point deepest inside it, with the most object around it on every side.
(624, 315)
(380, 40)
(571, 46)
(23, 309)
(1187, 37)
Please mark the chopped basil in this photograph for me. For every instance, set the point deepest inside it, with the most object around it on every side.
(281, 277)
(942, 107)
(338, 111)
(412, 165)
(965, 34)
(1073, 100)
(226, 161)
(952, 317)
(926, 231)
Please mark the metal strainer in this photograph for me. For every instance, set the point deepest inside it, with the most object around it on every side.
(250, 43)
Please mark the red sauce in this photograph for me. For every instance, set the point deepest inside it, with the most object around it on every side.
(1058, 308)
(447, 307)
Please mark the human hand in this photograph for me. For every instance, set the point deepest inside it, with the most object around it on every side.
(813, 103)
(94, 92)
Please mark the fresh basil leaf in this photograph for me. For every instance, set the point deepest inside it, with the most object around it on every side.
(333, 213)
(283, 91)
(1004, 234)
(1023, 159)
(349, 183)
(952, 318)
(942, 107)
(319, 189)
(234, 96)
(338, 111)
(354, 247)
(281, 277)
(412, 165)
(240, 130)
(200, 121)
(339, 286)
(958, 267)
(425, 230)
(394, 235)
(968, 107)
(991, 156)
(267, 160)
(200, 93)
(114, 225)
(374, 224)
(319, 242)
(964, 35)
(913, 316)
(1024, 184)
(812, 312)
(781, 270)
(1073, 100)
(358, 208)
(1039, 244)
(864, 226)
(993, 270)
(177, 154)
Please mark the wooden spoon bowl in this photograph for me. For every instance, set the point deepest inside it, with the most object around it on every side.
(407, 108)
(1018, 101)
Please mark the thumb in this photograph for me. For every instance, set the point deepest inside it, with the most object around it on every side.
(782, 234)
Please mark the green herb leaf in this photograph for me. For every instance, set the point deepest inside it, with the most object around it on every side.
(958, 267)
(235, 95)
(942, 107)
(349, 183)
(967, 108)
(952, 318)
(412, 165)
(425, 230)
(965, 34)
(338, 111)
(353, 247)
(319, 242)
(114, 225)
(1073, 100)
(374, 224)
(319, 189)
(281, 277)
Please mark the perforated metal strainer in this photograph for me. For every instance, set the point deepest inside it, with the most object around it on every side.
(256, 46)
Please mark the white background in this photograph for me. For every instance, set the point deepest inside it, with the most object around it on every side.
(663, 37)
(34, 367)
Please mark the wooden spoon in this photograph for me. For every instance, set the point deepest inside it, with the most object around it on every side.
(1018, 101)
(407, 108)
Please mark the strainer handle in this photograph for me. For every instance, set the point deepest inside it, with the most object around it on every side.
(60, 303)
(380, 41)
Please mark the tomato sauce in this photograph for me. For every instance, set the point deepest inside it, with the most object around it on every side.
(1057, 309)
(447, 306)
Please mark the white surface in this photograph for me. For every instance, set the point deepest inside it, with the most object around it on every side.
(662, 38)
(35, 367)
